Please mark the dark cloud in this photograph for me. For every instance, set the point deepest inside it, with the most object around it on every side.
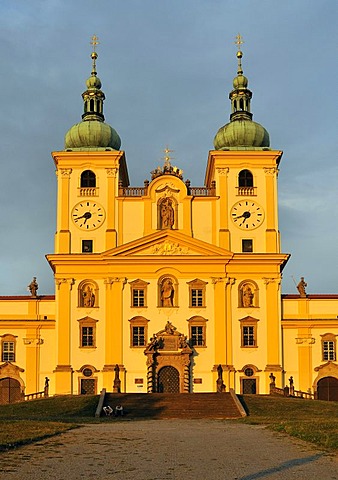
(167, 68)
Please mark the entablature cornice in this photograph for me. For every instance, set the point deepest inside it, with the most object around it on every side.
(110, 158)
(239, 159)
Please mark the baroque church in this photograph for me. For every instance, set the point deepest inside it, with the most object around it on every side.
(167, 287)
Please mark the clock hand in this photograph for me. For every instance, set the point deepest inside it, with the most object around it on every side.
(86, 215)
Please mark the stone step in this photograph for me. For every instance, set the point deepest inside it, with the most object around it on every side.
(186, 405)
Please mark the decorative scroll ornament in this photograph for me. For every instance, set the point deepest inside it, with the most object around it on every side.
(169, 248)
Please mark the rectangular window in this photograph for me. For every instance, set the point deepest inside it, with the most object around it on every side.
(196, 297)
(8, 352)
(329, 350)
(138, 297)
(87, 338)
(87, 246)
(138, 336)
(247, 246)
(197, 336)
(248, 339)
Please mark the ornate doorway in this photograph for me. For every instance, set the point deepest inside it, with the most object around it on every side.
(168, 362)
(168, 380)
(10, 391)
(327, 389)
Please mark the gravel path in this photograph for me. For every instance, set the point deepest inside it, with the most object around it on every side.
(168, 449)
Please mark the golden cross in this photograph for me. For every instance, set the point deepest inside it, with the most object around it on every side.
(239, 41)
(167, 157)
(94, 42)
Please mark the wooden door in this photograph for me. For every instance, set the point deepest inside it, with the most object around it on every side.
(327, 389)
(10, 390)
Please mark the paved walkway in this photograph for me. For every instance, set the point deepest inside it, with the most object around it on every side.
(168, 449)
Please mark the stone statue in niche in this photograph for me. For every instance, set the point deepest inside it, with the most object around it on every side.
(88, 296)
(301, 287)
(167, 214)
(167, 293)
(247, 296)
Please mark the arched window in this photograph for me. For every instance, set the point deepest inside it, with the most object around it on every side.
(88, 179)
(245, 178)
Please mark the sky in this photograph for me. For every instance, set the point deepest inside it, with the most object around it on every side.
(166, 69)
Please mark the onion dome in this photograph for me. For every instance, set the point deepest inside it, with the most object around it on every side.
(92, 133)
(241, 133)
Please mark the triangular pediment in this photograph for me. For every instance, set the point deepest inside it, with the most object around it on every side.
(167, 242)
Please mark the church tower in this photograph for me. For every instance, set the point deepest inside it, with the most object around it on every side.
(245, 170)
(89, 172)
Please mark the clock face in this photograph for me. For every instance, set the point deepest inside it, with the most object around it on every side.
(88, 215)
(247, 214)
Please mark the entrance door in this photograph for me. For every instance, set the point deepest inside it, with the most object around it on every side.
(10, 390)
(88, 386)
(327, 389)
(249, 385)
(168, 380)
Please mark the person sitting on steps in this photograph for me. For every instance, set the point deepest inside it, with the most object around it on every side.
(118, 410)
(108, 410)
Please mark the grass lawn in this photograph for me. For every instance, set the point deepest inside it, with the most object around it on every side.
(309, 420)
(312, 421)
(25, 422)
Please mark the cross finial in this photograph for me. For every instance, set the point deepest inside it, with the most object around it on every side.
(94, 42)
(167, 156)
(239, 41)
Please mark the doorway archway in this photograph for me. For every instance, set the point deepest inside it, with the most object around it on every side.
(10, 391)
(327, 389)
(168, 380)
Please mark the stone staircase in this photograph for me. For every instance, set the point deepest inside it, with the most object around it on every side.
(171, 405)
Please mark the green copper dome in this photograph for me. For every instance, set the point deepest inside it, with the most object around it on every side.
(241, 133)
(92, 133)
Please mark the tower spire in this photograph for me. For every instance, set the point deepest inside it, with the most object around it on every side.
(93, 97)
(92, 132)
(240, 96)
(241, 131)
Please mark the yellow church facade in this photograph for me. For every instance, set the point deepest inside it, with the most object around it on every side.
(167, 287)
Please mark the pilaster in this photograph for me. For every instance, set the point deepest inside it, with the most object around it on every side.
(111, 234)
(62, 237)
(63, 371)
(272, 240)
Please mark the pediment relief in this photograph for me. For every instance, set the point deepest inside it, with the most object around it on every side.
(168, 242)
